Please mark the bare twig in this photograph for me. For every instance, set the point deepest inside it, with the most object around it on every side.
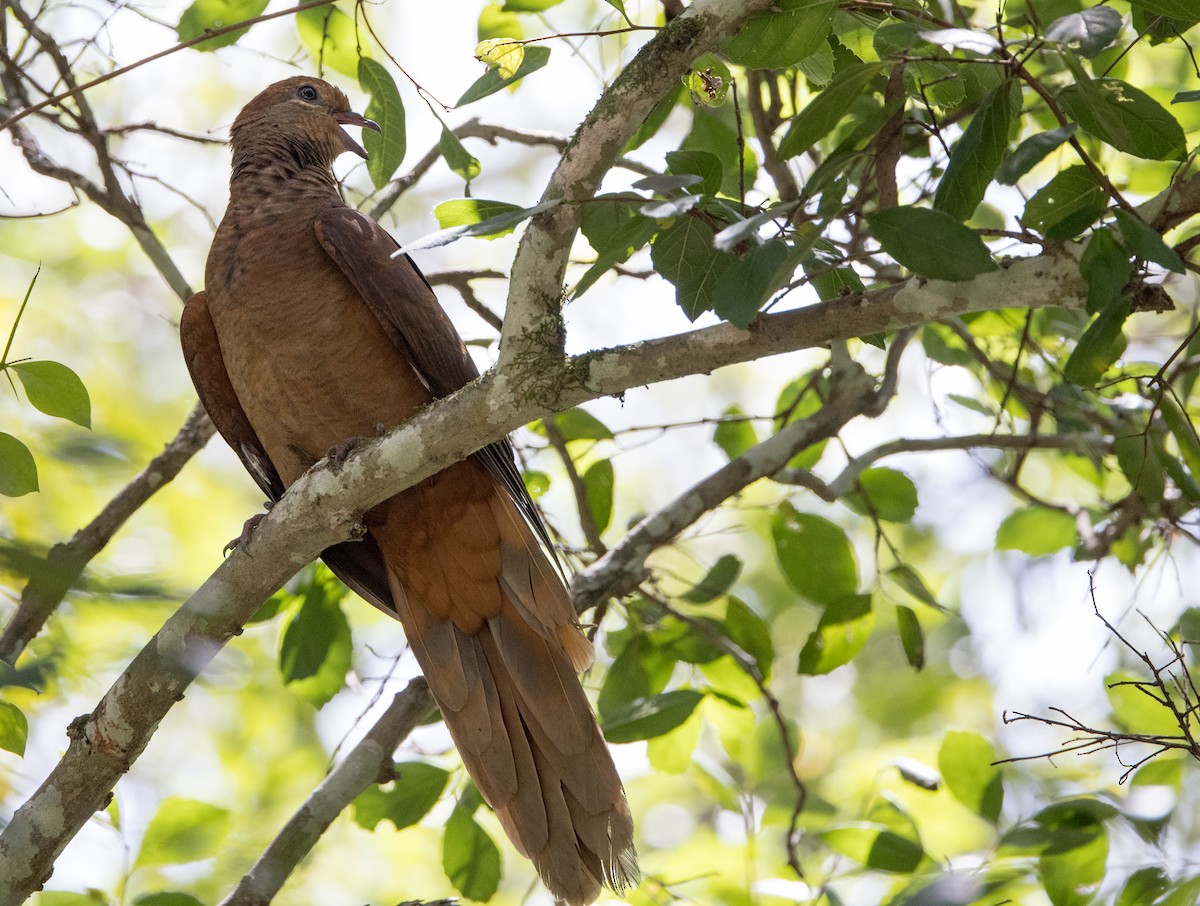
(76, 90)
(1171, 687)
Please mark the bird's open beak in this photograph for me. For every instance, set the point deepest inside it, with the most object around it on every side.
(350, 118)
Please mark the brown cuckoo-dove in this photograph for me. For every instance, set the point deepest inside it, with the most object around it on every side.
(312, 332)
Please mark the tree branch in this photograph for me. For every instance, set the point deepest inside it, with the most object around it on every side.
(533, 322)
(363, 766)
(623, 568)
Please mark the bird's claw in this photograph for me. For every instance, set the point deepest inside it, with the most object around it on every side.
(341, 451)
(248, 528)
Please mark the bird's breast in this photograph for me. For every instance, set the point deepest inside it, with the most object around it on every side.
(309, 361)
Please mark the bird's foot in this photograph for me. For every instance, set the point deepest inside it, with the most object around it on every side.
(342, 450)
(248, 528)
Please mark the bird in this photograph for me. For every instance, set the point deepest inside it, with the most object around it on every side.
(312, 332)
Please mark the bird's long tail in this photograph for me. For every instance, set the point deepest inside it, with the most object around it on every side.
(502, 666)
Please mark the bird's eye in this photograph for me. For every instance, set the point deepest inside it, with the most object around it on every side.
(306, 93)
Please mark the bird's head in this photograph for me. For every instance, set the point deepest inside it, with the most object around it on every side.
(305, 115)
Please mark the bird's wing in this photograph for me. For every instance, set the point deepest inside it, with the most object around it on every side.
(202, 353)
(357, 563)
(405, 304)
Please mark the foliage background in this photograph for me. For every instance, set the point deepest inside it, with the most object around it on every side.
(1010, 626)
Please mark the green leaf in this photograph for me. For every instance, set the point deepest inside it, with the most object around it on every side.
(416, 789)
(470, 857)
(718, 580)
(56, 390)
(875, 846)
(471, 212)
(750, 632)
(315, 647)
(1140, 466)
(615, 228)
(683, 254)
(579, 424)
(708, 80)
(457, 157)
(965, 761)
(977, 155)
(1129, 696)
(495, 22)
(885, 493)
(645, 718)
(1143, 886)
(671, 753)
(491, 81)
(830, 279)
(505, 55)
(1067, 205)
(1164, 770)
(385, 150)
(748, 284)
(204, 15)
(824, 112)
(704, 164)
(536, 483)
(1176, 9)
(598, 481)
(463, 212)
(1033, 151)
(529, 6)
(912, 636)
(1147, 242)
(331, 37)
(1125, 117)
(714, 131)
(1073, 865)
(777, 40)
(931, 243)
(1185, 893)
(18, 471)
(735, 434)
(1184, 431)
(14, 729)
(1100, 346)
(183, 830)
(167, 898)
(1106, 268)
(910, 580)
(815, 554)
(1037, 531)
(1086, 32)
(640, 671)
(843, 629)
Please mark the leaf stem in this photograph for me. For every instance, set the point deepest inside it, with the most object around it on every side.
(12, 333)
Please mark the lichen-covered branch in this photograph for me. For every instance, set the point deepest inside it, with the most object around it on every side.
(532, 322)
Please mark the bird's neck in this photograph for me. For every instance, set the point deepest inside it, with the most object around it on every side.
(263, 168)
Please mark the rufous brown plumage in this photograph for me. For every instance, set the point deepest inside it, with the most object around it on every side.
(311, 333)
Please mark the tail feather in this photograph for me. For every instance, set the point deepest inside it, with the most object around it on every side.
(500, 657)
